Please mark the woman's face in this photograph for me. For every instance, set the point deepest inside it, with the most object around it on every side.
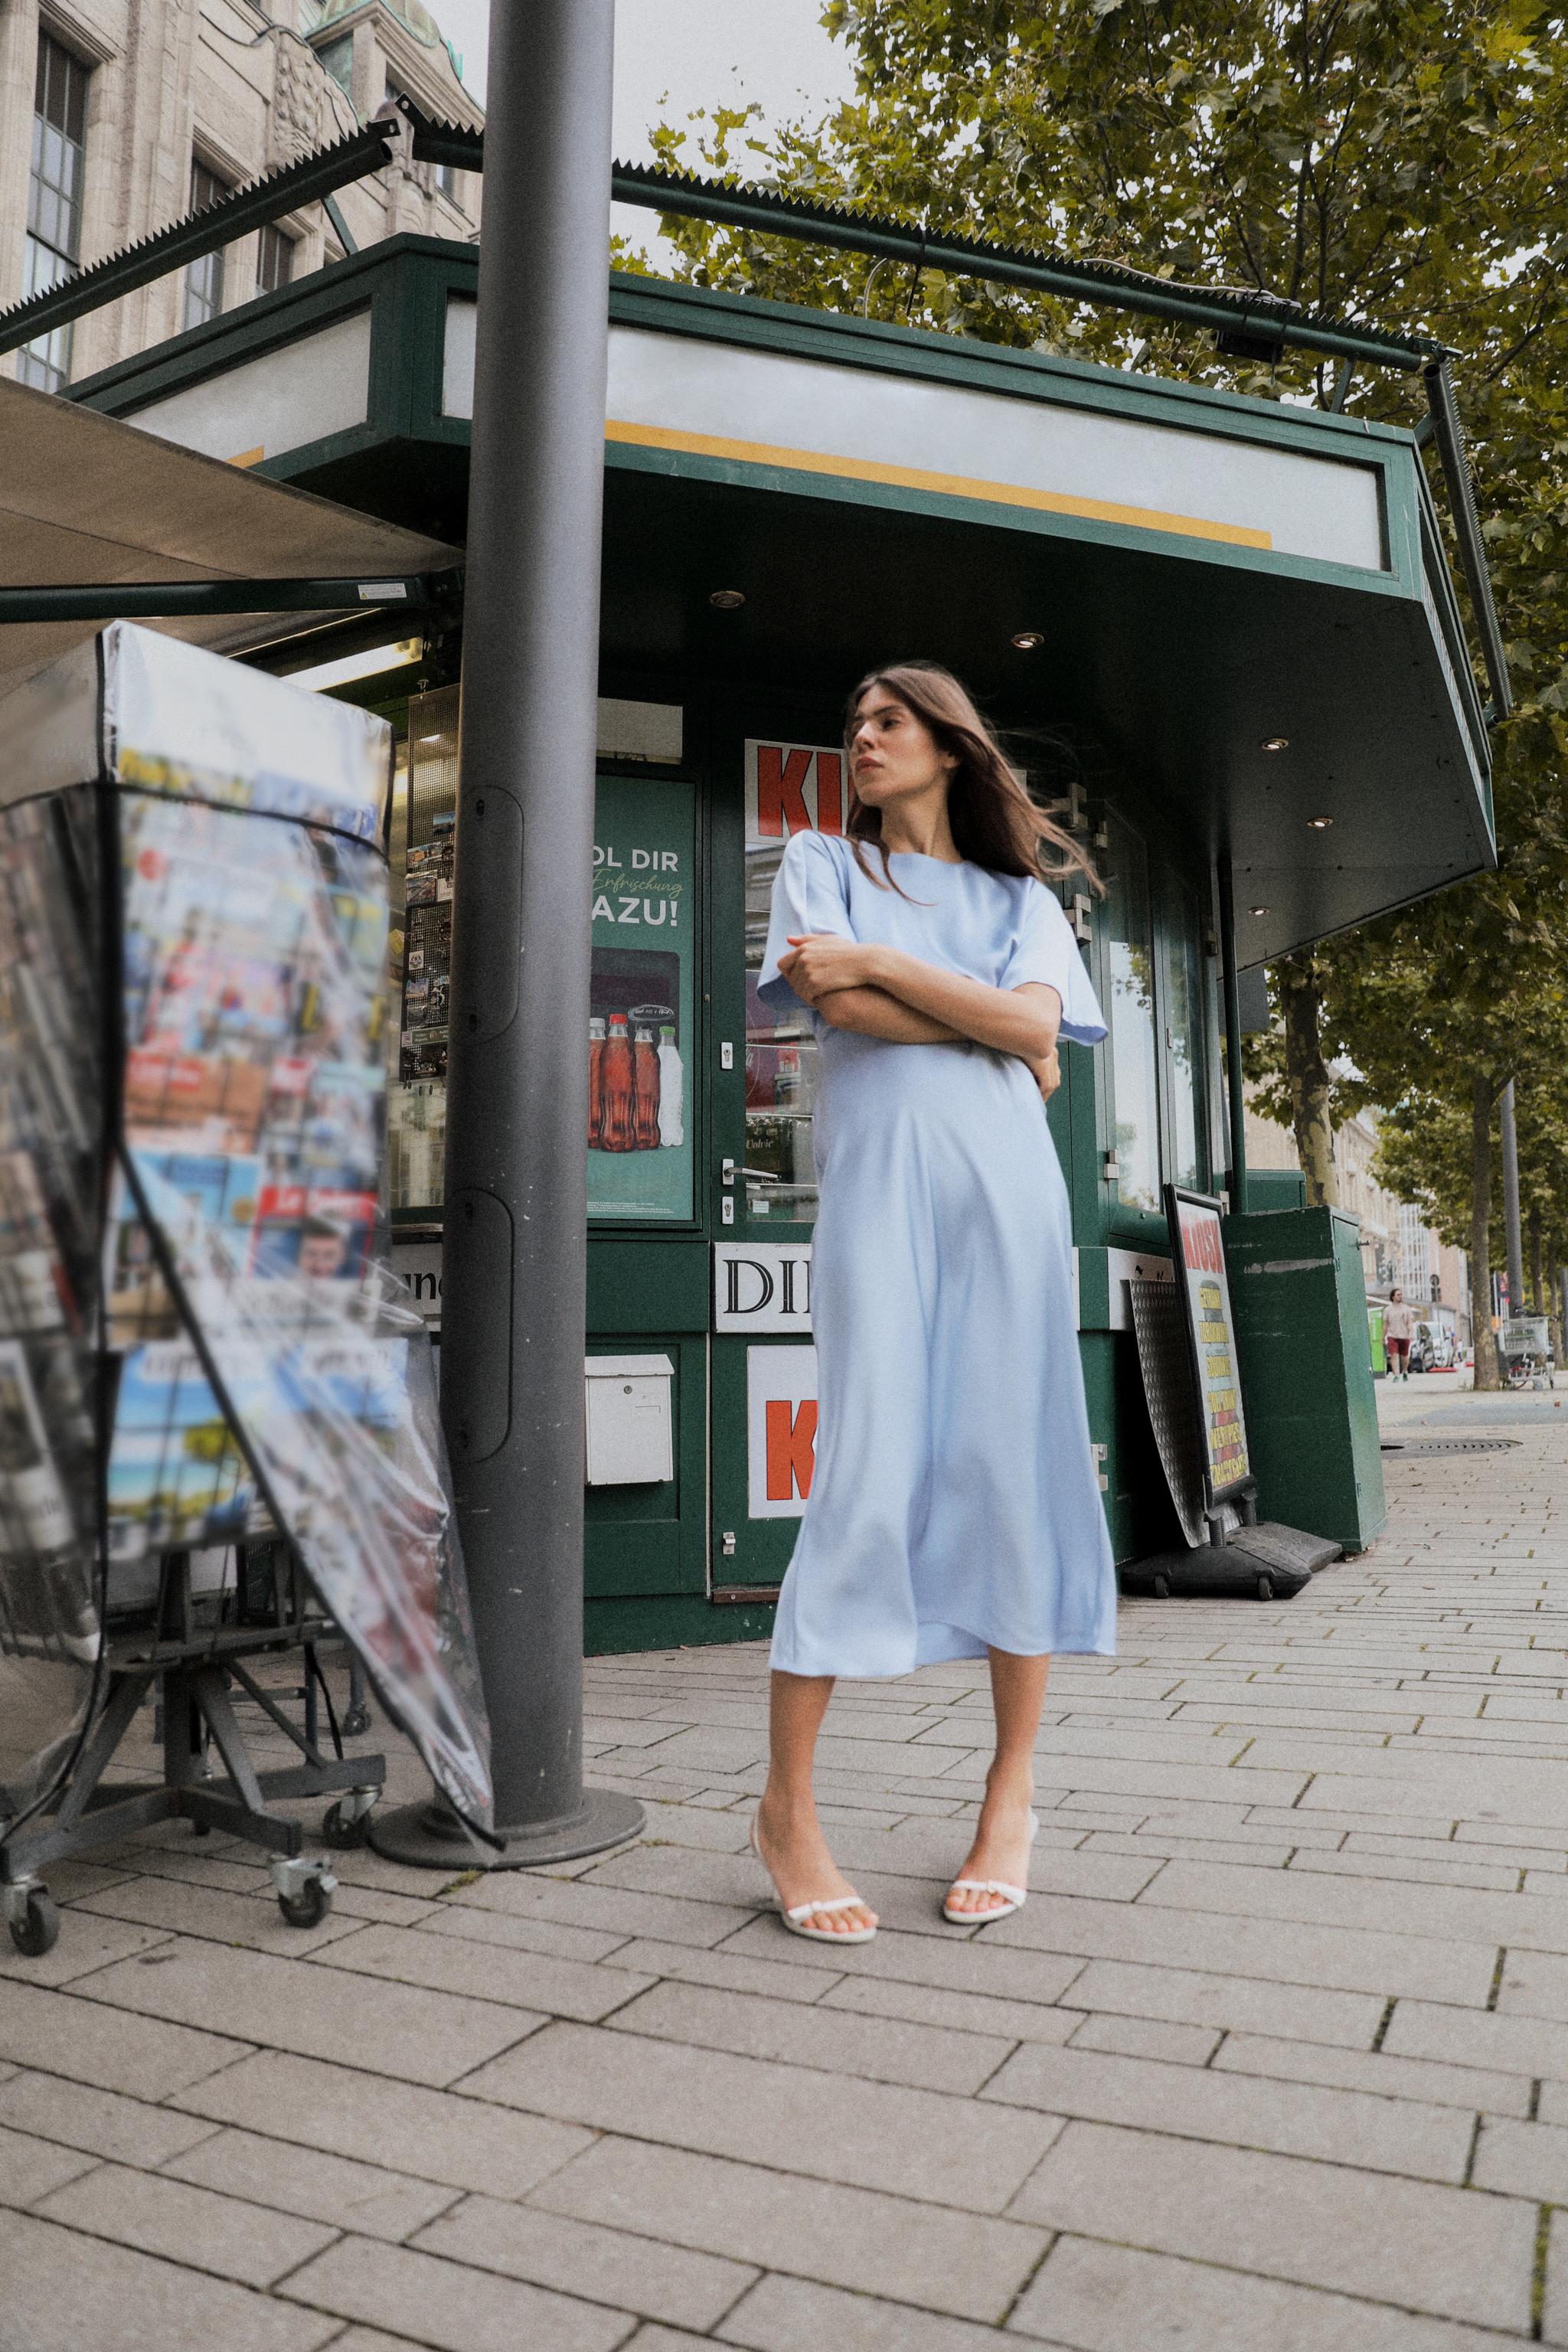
(893, 755)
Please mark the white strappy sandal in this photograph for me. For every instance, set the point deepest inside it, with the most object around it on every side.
(1015, 1896)
(795, 1917)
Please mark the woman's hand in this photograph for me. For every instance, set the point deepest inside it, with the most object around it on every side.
(819, 963)
(1047, 1073)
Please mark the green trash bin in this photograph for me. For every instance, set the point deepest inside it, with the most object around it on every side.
(1298, 1297)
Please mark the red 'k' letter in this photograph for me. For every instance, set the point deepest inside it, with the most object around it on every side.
(792, 1440)
(780, 796)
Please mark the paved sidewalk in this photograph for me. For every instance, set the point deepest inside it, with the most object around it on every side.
(1276, 2056)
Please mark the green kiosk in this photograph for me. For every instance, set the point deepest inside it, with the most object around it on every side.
(1219, 631)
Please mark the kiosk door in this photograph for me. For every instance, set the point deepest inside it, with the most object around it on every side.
(764, 1366)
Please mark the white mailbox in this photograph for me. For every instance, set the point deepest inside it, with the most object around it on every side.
(630, 1441)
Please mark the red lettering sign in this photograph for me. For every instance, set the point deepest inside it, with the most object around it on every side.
(829, 792)
(781, 791)
(792, 1440)
(1201, 1245)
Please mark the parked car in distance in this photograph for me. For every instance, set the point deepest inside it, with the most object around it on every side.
(1434, 1348)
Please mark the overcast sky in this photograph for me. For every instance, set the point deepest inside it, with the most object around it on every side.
(699, 52)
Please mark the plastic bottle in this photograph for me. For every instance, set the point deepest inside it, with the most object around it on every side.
(596, 1095)
(671, 1088)
(646, 1070)
(616, 1088)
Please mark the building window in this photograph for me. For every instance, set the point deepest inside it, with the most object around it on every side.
(204, 279)
(447, 182)
(338, 56)
(54, 200)
(274, 260)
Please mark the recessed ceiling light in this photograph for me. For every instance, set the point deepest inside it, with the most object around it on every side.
(726, 600)
(1028, 640)
(429, 739)
(1257, 911)
(1275, 743)
(1320, 823)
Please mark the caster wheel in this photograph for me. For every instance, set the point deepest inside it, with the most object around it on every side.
(1265, 1588)
(39, 1931)
(342, 1833)
(356, 1723)
(1161, 1588)
(309, 1907)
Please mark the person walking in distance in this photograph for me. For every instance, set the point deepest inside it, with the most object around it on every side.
(954, 1510)
(1398, 1331)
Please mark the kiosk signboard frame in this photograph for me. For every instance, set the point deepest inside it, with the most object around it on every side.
(1197, 1246)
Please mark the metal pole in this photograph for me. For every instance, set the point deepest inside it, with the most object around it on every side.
(515, 1254)
(1516, 1301)
(1235, 1082)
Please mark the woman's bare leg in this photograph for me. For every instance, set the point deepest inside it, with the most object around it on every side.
(788, 1830)
(1001, 1848)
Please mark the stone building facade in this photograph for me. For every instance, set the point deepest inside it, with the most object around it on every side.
(117, 115)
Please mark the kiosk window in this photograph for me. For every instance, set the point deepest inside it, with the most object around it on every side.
(781, 1074)
(1183, 1037)
(1134, 1057)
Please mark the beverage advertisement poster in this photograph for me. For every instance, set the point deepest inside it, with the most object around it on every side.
(1198, 1248)
(641, 1038)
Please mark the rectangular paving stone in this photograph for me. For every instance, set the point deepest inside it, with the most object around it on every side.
(86, 1943)
(1100, 2298)
(1523, 2160)
(730, 1971)
(964, 2263)
(1461, 2037)
(535, 1983)
(1144, 2037)
(215, 1912)
(1418, 2244)
(467, 1921)
(362, 2196)
(1457, 1913)
(102, 2123)
(1471, 2088)
(28, 2167)
(234, 2239)
(881, 2050)
(964, 2012)
(918, 2143)
(64, 2034)
(533, 1896)
(1187, 1996)
(400, 2030)
(68, 2292)
(1292, 2118)
(786, 2314)
(449, 2305)
(659, 2282)
(430, 2135)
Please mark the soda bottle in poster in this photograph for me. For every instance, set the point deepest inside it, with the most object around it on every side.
(646, 1071)
(595, 1096)
(671, 1088)
(616, 1090)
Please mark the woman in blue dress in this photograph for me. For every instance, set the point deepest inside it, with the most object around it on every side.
(954, 1510)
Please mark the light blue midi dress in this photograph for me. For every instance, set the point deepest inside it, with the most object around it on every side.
(955, 1506)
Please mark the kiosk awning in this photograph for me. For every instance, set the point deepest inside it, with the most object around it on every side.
(86, 500)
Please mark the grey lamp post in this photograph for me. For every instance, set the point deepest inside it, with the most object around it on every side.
(1515, 1239)
(515, 1259)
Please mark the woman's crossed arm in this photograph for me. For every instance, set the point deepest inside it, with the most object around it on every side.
(882, 992)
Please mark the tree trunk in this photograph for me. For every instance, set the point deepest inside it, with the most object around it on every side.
(1307, 1078)
(1538, 1301)
(1481, 1233)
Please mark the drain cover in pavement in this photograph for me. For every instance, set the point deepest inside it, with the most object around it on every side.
(1448, 1445)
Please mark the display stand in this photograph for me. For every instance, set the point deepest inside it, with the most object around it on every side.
(202, 1352)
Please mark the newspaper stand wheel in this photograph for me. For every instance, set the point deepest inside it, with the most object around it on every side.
(1162, 1587)
(1266, 1588)
(37, 1930)
(309, 1907)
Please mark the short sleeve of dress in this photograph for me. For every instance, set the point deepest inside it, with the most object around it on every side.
(808, 896)
(1046, 950)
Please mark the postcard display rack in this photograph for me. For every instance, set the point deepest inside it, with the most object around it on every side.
(218, 1425)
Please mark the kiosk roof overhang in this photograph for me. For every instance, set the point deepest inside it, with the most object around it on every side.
(1210, 573)
(88, 502)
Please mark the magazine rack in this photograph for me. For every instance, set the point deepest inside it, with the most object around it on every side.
(202, 1348)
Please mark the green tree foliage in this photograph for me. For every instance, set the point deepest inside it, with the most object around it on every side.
(1396, 162)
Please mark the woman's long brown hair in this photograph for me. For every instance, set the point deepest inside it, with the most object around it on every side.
(995, 823)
